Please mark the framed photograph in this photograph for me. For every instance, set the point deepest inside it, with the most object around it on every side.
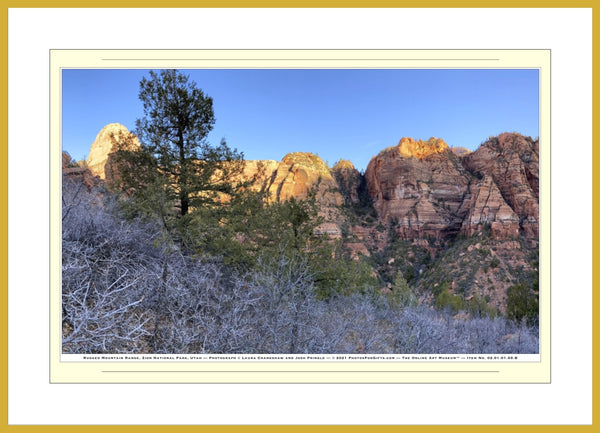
(300, 216)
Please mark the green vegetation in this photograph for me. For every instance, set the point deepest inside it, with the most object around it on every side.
(402, 293)
(402, 256)
(478, 307)
(175, 158)
(449, 302)
(522, 304)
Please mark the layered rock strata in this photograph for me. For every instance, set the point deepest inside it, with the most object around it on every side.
(487, 208)
(512, 161)
(424, 190)
(419, 187)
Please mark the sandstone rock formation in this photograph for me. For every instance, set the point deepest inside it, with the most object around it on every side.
(348, 180)
(512, 161)
(419, 187)
(427, 194)
(427, 191)
(103, 146)
(420, 149)
(298, 175)
(488, 208)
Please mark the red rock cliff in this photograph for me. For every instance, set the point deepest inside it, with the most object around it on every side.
(426, 190)
(512, 161)
(420, 186)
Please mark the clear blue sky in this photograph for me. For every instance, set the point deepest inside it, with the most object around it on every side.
(336, 113)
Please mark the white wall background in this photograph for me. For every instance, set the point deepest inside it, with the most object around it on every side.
(32, 400)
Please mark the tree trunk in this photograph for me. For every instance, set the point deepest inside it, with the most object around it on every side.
(184, 198)
(185, 203)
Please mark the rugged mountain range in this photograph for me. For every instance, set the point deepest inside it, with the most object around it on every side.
(448, 219)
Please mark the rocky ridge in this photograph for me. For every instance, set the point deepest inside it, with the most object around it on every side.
(420, 189)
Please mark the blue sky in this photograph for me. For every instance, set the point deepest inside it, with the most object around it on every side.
(335, 113)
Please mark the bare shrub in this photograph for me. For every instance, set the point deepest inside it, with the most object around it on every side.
(105, 268)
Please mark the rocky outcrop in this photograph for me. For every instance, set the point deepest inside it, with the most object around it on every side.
(77, 171)
(426, 191)
(419, 187)
(512, 161)
(102, 147)
(348, 180)
(66, 161)
(299, 175)
(487, 209)
(420, 149)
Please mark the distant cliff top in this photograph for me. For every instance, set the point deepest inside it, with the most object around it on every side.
(410, 148)
(343, 164)
(308, 160)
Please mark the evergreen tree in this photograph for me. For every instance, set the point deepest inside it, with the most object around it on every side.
(522, 303)
(402, 293)
(176, 170)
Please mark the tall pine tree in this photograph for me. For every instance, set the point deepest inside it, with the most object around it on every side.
(176, 170)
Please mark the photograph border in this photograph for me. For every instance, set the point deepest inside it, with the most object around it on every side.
(127, 3)
(295, 371)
